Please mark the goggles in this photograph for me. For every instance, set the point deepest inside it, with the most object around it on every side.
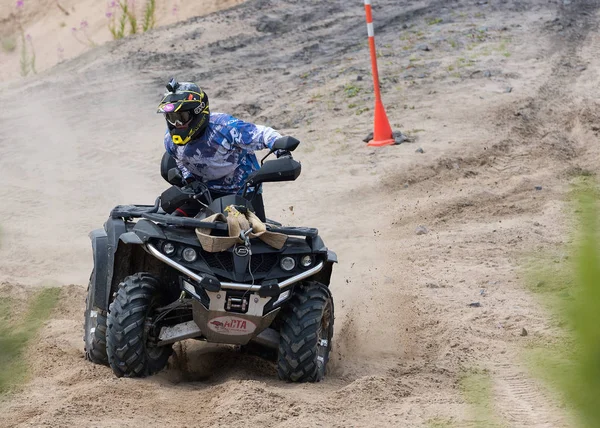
(179, 118)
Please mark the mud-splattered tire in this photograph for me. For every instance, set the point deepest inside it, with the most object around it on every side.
(305, 334)
(127, 337)
(94, 331)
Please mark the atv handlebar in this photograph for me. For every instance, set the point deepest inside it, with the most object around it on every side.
(134, 211)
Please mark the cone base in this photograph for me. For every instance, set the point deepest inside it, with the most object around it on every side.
(381, 143)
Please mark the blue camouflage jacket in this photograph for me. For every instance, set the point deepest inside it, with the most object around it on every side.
(223, 156)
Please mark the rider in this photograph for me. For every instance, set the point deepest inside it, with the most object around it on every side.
(215, 148)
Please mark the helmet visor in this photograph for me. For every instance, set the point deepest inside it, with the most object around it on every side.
(179, 118)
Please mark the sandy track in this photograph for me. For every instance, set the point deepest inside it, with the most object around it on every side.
(404, 331)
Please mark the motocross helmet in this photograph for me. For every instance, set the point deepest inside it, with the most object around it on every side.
(186, 111)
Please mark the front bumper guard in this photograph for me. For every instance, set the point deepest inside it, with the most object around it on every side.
(232, 285)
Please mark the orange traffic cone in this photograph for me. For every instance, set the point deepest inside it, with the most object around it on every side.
(382, 131)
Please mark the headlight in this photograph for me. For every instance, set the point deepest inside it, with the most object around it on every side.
(287, 263)
(306, 261)
(189, 255)
(169, 248)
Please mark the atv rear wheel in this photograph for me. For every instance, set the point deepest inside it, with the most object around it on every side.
(94, 331)
(130, 334)
(305, 334)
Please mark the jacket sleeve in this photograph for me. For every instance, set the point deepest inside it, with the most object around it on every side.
(250, 136)
(171, 149)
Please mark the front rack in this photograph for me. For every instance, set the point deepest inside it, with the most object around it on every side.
(150, 212)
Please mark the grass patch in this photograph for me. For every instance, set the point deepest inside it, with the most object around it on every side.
(440, 423)
(476, 387)
(149, 20)
(433, 21)
(577, 171)
(567, 282)
(9, 44)
(550, 276)
(117, 25)
(351, 90)
(16, 334)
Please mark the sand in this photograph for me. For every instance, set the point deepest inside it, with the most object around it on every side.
(500, 97)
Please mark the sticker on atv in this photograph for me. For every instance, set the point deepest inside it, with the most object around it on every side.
(231, 325)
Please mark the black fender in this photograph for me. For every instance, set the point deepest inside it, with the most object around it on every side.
(100, 272)
(104, 246)
(324, 276)
(118, 253)
(128, 254)
(331, 256)
(131, 238)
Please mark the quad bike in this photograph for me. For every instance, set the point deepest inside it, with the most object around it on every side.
(153, 284)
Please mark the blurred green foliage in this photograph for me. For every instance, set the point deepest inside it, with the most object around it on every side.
(9, 44)
(118, 26)
(16, 333)
(149, 16)
(568, 282)
(583, 388)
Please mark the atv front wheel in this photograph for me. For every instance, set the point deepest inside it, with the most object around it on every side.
(94, 331)
(130, 333)
(305, 334)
